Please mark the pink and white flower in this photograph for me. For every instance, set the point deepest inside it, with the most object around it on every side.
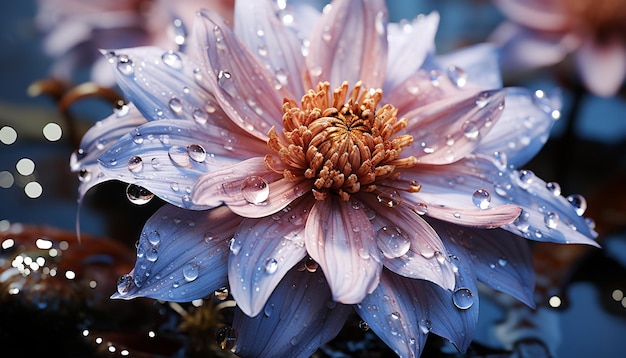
(543, 33)
(319, 163)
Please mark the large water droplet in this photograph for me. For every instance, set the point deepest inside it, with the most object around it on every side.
(526, 178)
(124, 284)
(190, 271)
(200, 116)
(135, 164)
(196, 152)
(176, 105)
(425, 325)
(179, 156)
(235, 246)
(225, 81)
(226, 337)
(172, 59)
(255, 189)
(457, 76)
(554, 188)
(463, 298)
(481, 198)
(153, 237)
(523, 221)
(389, 198)
(482, 99)
(551, 219)
(125, 65)
(578, 202)
(151, 254)
(271, 265)
(138, 195)
(471, 130)
(269, 309)
(392, 241)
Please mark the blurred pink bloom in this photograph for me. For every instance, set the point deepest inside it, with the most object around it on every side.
(543, 32)
(75, 30)
(320, 163)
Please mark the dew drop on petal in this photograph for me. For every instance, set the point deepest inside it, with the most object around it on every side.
(172, 59)
(425, 325)
(235, 246)
(84, 175)
(526, 178)
(463, 298)
(554, 188)
(196, 152)
(224, 80)
(138, 195)
(124, 284)
(125, 65)
(482, 99)
(271, 265)
(255, 189)
(392, 241)
(269, 309)
(481, 198)
(152, 254)
(190, 271)
(179, 156)
(176, 105)
(522, 222)
(200, 116)
(578, 202)
(226, 337)
(135, 164)
(154, 237)
(470, 130)
(457, 76)
(551, 219)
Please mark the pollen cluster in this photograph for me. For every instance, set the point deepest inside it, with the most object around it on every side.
(340, 140)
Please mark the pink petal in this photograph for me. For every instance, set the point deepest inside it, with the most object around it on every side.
(339, 237)
(602, 66)
(349, 43)
(449, 129)
(299, 317)
(275, 45)
(248, 188)
(247, 92)
(477, 66)
(181, 255)
(425, 256)
(262, 251)
(536, 14)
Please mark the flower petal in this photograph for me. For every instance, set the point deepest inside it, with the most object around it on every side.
(168, 156)
(339, 237)
(349, 43)
(546, 215)
(602, 66)
(181, 255)
(406, 55)
(262, 252)
(162, 84)
(248, 188)
(449, 129)
(299, 317)
(97, 140)
(475, 66)
(274, 44)
(422, 260)
(502, 260)
(540, 15)
(248, 93)
(523, 127)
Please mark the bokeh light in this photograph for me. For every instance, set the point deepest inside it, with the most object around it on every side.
(52, 132)
(8, 135)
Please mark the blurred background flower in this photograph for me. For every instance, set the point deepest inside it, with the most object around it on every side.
(575, 285)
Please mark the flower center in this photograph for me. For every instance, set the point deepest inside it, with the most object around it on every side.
(343, 143)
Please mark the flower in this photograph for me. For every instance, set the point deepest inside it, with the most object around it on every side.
(330, 164)
(74, 30)
(542, 33)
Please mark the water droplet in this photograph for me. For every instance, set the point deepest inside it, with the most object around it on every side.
(271, 265)
(190, 271)
(526, 178)
(523, 221)
(262, 50)
(425, 325)
(501, 159)
(554, 188)
(311, 265)
(200, 116)
(269, 309)
(481, 198)
(235, 246)
(138, 195)
(578, 202)
(153, 237)
(84, 175)
(551, 219)
(221, 293)
(124, 284)
(364, 326)
(179, 156)
(502, 261)
(471, 130)
(421, 208)
(225, 81)
(457, 76)
(392, 241)
(380, 23)
(152, 254)
(172, 59)
(390, 198)
(255, 190)
(135, 164)
(196, 152)
(125, 65)
(155, 163)
(176, 105)
(226, 337)
(482, 99)
(463, 298)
